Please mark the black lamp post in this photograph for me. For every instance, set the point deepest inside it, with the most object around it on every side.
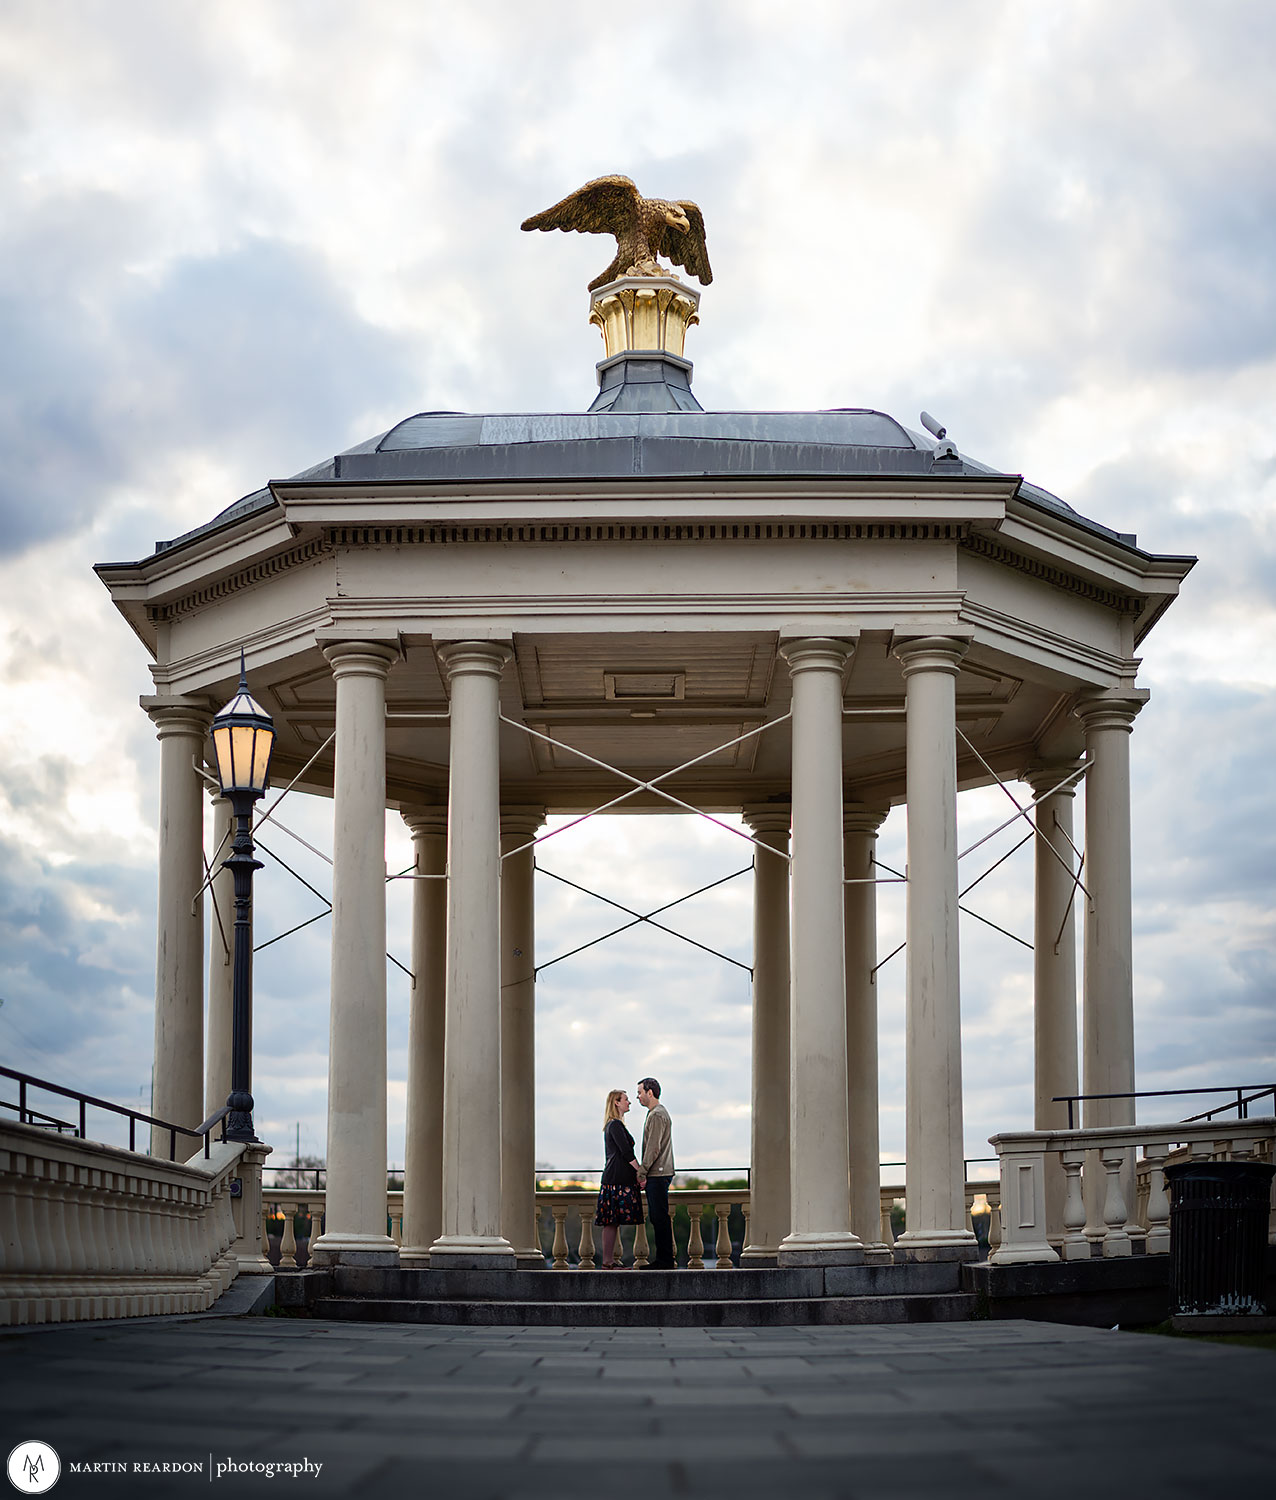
(243, 733)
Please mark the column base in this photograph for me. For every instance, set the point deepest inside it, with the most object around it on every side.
(253, 1265)
(414, 1257)
(1024, 1255)
(339, 1249)
(878, 1254)
(529, 1259)
(829, 1248)
(937, 1245)
(760, 1259)
(472, 1252)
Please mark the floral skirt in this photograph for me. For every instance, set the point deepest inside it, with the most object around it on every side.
(619, 1205)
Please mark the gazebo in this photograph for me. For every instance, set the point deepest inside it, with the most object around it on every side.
(809, 617)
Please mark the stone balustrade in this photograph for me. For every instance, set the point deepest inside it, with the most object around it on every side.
(95, 1231)
(565, 1222)
(1135, 1202)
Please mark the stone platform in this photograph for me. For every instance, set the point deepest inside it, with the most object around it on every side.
(790, 1297)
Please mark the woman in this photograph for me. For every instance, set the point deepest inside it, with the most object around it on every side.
(619, 1200)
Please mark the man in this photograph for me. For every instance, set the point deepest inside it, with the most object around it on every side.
(656, 1171)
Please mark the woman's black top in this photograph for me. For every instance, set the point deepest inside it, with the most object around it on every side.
(619, 1145)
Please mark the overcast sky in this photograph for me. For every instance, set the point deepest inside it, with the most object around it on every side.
(236, 238)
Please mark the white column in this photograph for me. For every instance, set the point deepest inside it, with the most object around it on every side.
(934, 1146)
(472, 1235)
(1054, 964)
(355, 1210)
(859, 828)
(819, 1164)
(769, 1124)
(423, 1141)
(177, 1094)
(221, 968)
(1108, 985)
(519, 825)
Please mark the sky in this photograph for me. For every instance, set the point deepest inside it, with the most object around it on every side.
(239, 236)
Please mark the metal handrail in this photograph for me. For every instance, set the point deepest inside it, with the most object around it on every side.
(27, 1115)
(1240, 1103)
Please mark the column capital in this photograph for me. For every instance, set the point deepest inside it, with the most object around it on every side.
(768, 817)
(521, 819)
(863, 819)
(931, 653)
(816, 654)
(1116, 710)
(1045, 779)
(189, 716)
(421, 821)
(361, 658)
(467, 658)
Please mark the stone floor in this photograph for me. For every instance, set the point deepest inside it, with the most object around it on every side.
(952, 1410)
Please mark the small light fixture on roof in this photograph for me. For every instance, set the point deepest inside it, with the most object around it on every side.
(945, 449)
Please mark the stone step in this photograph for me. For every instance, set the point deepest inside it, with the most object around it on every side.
(395, 1284)
(945, 1307)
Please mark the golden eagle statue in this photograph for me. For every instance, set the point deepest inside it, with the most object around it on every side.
(644, 228)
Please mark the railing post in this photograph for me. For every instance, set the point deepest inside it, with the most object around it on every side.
(560, 1236)
(723, 1245)
(1075, 1244)
(1023, 1205)
(695, 1244)
(888, 1229)
(586, 1262)
(1116, 1242)
(288, 1239)
(1158, 1204)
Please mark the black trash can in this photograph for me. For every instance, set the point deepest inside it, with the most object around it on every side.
(1218, 1235)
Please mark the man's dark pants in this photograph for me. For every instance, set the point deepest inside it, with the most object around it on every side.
(661, 1224)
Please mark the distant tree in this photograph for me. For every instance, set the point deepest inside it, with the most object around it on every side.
(300, 1175)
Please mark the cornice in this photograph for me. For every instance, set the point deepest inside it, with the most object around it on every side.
(1052, 573)
(242, 578)
(558, 533)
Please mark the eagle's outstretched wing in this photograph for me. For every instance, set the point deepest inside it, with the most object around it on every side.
(604, 206)
(686, 247)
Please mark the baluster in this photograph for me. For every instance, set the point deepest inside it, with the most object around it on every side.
(888, 1229)
(748, 1214)
(970, 1204)
(642, 1250)
(288, 1240)
(1116, 1242)
(396, 1227)
(587, 1239)
(1158, 1204)
(723, 1246)
(994, 1218)
(560, 1236)
(1075, 1245)
(695, 1244)
(265, 1231)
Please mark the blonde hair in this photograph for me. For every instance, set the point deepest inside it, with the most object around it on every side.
(611, 1112)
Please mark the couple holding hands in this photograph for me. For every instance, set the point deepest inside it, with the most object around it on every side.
(625, 1175)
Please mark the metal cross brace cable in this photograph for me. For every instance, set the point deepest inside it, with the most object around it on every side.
(1014, 937)
(1020, 810)
(639, 918)
(318, 916)
(645, 786)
